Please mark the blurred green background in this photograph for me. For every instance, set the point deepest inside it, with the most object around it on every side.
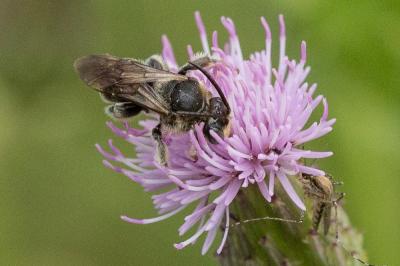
(60, 206)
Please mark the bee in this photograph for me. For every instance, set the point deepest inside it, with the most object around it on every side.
(321, 190)
(132, 86)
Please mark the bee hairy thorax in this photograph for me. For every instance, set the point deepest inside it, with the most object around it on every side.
(178, 123)
(185, 96)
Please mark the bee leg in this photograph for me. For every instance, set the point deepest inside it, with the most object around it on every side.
(202, 61)
(121, 111)
(161, 149)
(156, 61)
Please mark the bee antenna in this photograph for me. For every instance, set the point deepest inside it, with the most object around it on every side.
(214, 83)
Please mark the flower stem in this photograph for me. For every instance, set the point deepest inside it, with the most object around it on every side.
(274, 242)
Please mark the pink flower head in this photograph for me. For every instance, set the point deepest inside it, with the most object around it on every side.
(270, 109)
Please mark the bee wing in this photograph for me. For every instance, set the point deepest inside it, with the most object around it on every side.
(103, 71)
(146, 97)
(124, 79)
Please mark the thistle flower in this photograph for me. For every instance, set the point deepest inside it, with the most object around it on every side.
(270, 110)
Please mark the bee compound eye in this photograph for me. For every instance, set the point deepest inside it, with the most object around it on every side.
(217, 107)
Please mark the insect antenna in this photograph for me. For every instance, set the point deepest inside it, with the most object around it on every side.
(214, 83)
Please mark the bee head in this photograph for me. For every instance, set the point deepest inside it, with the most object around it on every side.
(219, 119)
(217, 108)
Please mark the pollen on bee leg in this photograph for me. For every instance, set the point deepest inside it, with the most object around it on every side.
(161, 156)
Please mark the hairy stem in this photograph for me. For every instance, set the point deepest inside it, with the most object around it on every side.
(292, 242)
